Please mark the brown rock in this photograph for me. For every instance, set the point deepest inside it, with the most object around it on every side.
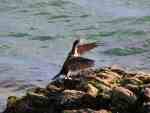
(123, 92)
(86, 110)
(72, 99)
(122, 98)
(147, 94)
(93, 91)
(102, 111)
(53, 88)
(118, 69)
(132, 87)
(73, 94)
(144, 77)
(131, 80)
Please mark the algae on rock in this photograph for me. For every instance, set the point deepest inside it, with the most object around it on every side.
(106, 90)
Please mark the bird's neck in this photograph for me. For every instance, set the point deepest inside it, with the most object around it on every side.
(74, 51)
(76, 54)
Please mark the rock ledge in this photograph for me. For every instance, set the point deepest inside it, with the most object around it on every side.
(106, 90)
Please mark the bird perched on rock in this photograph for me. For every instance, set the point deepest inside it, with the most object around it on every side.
(74, 61)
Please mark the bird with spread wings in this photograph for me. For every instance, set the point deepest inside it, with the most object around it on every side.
(74, 61)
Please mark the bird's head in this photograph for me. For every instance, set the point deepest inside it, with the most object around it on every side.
(76, 42)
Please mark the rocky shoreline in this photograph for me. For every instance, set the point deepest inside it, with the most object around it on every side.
(105, 90)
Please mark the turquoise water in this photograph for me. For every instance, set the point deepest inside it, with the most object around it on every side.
(36, 35)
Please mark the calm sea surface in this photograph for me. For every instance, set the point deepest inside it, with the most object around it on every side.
(36, 35)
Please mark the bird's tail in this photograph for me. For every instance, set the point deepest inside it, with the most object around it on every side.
(56, 76)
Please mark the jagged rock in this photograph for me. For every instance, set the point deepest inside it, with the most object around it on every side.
(123, 99)
(11, 104)
(118, 69)
(144, 77)
(131, 80)
(87, 111)
(72, 99)
(102, 111)
(143, 103)
(105, 90)
(147, 94)
(11, 101)
(145, 108)
(146, 85)
(73, 84)
(93, 91)
(53, 88)
(132, 87)
(18, 105)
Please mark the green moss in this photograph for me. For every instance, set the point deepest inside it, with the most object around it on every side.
(12, 101)
(131, 81)
(116, 81)
(102, 88)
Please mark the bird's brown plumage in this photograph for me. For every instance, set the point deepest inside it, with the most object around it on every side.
(75, 63)
(81, 49)
(79, 63)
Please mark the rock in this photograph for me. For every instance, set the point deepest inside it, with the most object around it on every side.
(77, 99)
(147, 94)
(146, 85)
(11, 104)
(132, 87)
(54, 88)
(72, 99)
(38, 96)
(18, 105)
(71, 84)
(144, 77)
(102, 111)
(11, 101)
(109, 73)
(123, 99)
(106, 90)
(74, 94)
(86, 110)
(131, 80)
(145, 107)
(143, 102)
(93, 91)
(118, 69)
(103, 90)
(108, 78)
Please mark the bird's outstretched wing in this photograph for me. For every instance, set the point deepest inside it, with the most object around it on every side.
(87, 47)
(56, 76)
(79, 63)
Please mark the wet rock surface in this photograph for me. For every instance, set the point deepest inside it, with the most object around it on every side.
(106, 90)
